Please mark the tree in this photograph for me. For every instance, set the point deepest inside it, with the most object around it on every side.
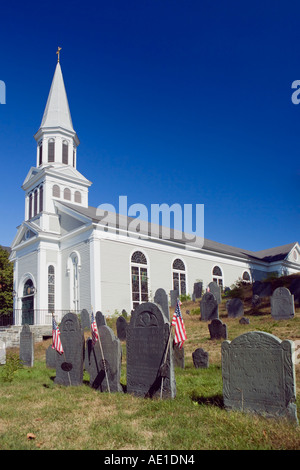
(6, 282)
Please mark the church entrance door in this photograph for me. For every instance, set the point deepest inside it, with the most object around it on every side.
(28, 303)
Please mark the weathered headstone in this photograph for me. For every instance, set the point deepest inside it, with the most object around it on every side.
(85, 319)
(259, 375)
(98, 367)
(174, 294)
(2, 352)
(100, 319)
(215, 289)
(27, 346)
(200, 358)
(51, 355)
(282, 304)
(161, 299)
(147, 338)
(121, 325)
(69, 366)
(217, 329)
(208, 307)
(235, 308)
(178, 356)
(198, 290)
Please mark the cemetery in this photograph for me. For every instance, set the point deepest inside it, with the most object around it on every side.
(233, 385)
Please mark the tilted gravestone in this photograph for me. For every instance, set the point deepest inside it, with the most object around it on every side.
(69, 366)
(85, 319)
(100, 319)
(282, 304)
(215, 289)
(217, 329)
(200, 358)
(147, 338)
(121, 326)
(27, 346)
(161, 299)
(235, 308)
(209, 307)
(259, 375)
(107, 367)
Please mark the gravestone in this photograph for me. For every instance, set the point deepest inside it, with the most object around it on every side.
(161, 299)
(217, 329)
(215, 289)
(255, 301)
(121, 326)
(235, 308)
(178, 356)
(200, 358)
(69, 366)
(198, 290)
(98, 367)
(2, 352)
(27, 346)
(51, 355)
(244, 321)
(282, 304)
(100, 319)
(85, 319)
(174, 294)
(208, 307)
(259, 375)
(147, 338)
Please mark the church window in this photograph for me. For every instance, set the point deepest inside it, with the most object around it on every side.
(35, 203)
(77, 196)
(51, 289)
(56, 191)
(30, 206)
(139, 278)
(40, 153)
(67, 194)
(179, 276)
(41, 198)
(218, 276)
(51, 152)
(246, 276)
(65, 152)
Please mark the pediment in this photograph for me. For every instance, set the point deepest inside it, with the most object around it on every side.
(26, 232)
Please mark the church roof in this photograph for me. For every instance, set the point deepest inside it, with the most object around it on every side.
(269, 255)
(57, 111)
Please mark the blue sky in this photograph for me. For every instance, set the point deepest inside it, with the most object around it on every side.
(174, 101)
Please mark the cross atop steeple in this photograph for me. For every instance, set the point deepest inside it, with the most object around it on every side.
(57, 52)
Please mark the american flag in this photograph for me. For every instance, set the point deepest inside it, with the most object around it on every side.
(56, 342)
(95, 335)
(177, 321)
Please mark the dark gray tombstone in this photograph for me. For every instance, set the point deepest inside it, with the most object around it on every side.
(217, 329)
(121, 326)
(282, 304)
(98, 367)
(215, 289)
(100, 319)
(51, 355)
(198, 290)
(235, 308)
(147, 338)
(85, 319)
(255, 301)
(208, 307)
(2, 352)
(244, 321)
(69, 366)
(161, 299)
(259, 375)
(200, 358)
(174, 294)
(27, 346)
(178, 356)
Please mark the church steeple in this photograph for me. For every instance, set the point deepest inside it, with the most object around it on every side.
(56, 138)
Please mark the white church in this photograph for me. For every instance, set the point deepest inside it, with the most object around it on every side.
(68, 258)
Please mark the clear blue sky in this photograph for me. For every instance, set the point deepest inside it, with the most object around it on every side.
(174, 101)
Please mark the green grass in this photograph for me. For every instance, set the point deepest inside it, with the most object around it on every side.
(66, 418)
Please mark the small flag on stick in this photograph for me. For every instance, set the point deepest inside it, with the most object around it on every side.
(177, 321)
(95, 335)
(56, 342)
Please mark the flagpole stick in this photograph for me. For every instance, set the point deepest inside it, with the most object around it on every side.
(106, 375)
(165, 360)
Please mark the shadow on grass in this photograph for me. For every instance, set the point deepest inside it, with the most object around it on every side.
(214, 400)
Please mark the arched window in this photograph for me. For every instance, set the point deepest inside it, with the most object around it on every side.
(218, 276)
(56, 191)
(51, 289)
(41, 198)
(67, 194)
(179, 277)
(40, 153)
(77, 196)
(35, 203)
(65, 152)
(51, 150)
(30, 206)
(246, 276)
(139, 278)
(28, 303)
